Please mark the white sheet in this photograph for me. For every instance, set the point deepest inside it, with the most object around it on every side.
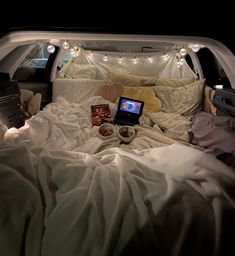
(75, 90)
(116, 202)
(64, 191)
(67, 126)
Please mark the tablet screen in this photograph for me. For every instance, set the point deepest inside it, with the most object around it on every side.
(131, 106)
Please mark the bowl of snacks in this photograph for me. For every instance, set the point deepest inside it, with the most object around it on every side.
(126, 133)
(106, 131)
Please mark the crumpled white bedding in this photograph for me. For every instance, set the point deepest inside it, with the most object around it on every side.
(64, 192)
(67, 126)
(116, 202)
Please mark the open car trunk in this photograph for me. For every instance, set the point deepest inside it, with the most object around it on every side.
(65, 189)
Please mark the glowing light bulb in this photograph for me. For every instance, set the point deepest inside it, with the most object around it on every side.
(120, 60)
(183, 52)
(74, 51)
(134, 61)
(150, 59)
(65, 45)
(181, 61)
(105, 58)
(178, 64)
(74, 54)
(195, 47)
(50, 48)
(90, 55)
(164, 57)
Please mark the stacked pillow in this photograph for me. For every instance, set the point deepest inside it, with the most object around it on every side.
(174, 82)
(30, 102)
(126, 79)
(180, 96)
(111, 91)
(185, 99)
(75, 90)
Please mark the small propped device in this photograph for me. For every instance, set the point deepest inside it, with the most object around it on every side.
(128, 111)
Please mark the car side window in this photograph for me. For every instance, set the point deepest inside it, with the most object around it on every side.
(212, 70)
(33, 67)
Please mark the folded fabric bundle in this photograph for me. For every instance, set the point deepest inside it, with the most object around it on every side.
(30, 102)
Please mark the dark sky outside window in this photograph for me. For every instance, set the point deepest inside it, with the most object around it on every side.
(213, 19)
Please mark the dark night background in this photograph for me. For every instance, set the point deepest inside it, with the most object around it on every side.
(193, 18)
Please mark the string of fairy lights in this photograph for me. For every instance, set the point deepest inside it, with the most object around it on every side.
(75, 50)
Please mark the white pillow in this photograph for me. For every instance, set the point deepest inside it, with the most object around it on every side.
(186, 100)
(34, 104)
(110, 92)
(25, 97)
(174, 82)
(126, 79)
(75, 90)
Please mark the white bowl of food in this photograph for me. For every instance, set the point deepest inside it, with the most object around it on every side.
(106, 131)
(126, 133)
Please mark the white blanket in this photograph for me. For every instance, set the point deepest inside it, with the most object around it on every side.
(63, 191)
(67, 126)
(172, 200)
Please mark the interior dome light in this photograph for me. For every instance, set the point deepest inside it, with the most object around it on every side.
(65, 45)
(183, 52)
(50, 48)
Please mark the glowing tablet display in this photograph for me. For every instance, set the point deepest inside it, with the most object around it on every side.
(130, 106)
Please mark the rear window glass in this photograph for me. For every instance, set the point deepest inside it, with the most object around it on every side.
(37, 58)
(33, 67)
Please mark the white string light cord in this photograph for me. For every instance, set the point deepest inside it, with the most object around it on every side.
(170, 64)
